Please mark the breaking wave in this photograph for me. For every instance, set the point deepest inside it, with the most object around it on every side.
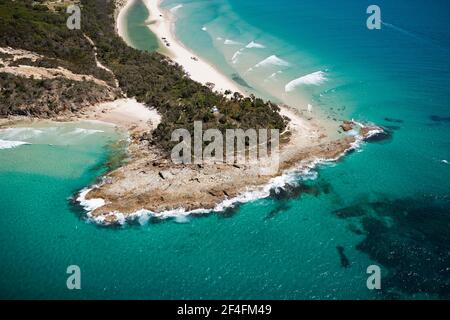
(270, 61)
(82, 131)
(236, 55)
(91, 204)
(142, 216)
(20, 133)
(273, 76)
(5, 144)
(231, 42)
(250, 45)
(306, 170)
(254, 44)
(176, 8)
(239, 52)
(314, 78)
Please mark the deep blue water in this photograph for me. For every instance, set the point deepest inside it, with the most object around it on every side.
(387, 205)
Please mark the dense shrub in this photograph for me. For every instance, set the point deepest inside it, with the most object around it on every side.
(150, 77)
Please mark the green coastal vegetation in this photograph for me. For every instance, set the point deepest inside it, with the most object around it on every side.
(49, 97)
(150, 77)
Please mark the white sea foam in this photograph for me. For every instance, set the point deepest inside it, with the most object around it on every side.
(254, 44)
(306, 170)
(293, 177)
(204, 28)
(359, 139)
(314, 78)
(239, 52)
(20, 133)
(270, 61)
(444, 161)
(273, 76)
(82, 131)
(236, 55)
(91, 204)
(5, 144)
(231, 42)
(176, 8)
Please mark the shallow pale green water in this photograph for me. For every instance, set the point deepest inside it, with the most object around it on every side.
(387, 205)
(138, 33)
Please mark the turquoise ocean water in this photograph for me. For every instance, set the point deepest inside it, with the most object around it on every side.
(386, 205)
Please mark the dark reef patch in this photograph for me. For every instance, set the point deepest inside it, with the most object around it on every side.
(410, 237)
(385, 136)
(281, 206)
(75, 207)
(228, 212)
(393, 120)
(345, 263)
(350, 212)
(440, 119)
(288, 192)
(393, 128)
(353, 228)
(314, 188)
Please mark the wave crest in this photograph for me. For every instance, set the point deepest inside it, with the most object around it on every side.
(254, 44)
(176, 8)
(82, 131)
(5, 144)
(270, 61)
(20, 133)
(236, 55)
(314, 78)
(306, 170)
(231, 42)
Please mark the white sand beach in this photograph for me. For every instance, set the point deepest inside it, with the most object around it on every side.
(151, 183)
(125, 113)
(121, 21)
(161, 23)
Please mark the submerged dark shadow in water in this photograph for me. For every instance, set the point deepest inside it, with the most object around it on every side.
(75, 207)
(440, 119)
(236, 78)
(281, 206)
(410, 237)
(345, 263)
(116, 154)
(393, 120)
(229, 212)
(314, 188)
(288, 192)
(383, 137)
(350, 212)
(393, 128)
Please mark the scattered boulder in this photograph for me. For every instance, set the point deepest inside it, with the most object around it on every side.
(347, 125)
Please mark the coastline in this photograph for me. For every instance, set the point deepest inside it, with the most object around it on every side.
(120, 13)
(161, 23)
(87, 180)
(150, 185)
(125, 114)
